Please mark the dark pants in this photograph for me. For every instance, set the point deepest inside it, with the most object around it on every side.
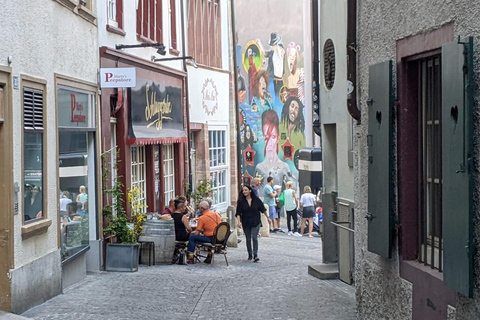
(193, 239)
(251, 233)
(290, 215)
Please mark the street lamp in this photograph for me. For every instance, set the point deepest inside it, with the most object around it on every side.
(160, 51)
(192, 60)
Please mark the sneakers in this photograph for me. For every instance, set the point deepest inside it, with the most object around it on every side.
(296, 234)
(290, 233)
(278, 230)
(256, 259)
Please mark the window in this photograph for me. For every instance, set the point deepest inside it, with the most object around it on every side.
(173, 25)
(112, 12)
(430, 144)
(217, 147)
(115, 17)
(33, 105)
(204, 32)
(168, 173)
(149, 20)
(138, 173)
(77, 168)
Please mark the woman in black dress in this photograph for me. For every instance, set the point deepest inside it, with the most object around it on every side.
(249, 207)
(182, 227)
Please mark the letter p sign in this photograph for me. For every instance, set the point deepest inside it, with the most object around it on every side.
(108, 76)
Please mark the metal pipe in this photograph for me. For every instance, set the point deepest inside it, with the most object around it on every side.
(337, 224)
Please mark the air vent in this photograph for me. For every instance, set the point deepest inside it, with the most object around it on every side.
(329, 63)
(32, 109)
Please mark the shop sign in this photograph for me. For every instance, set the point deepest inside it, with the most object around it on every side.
(156, 114)
(209, 97)
(74, 108)
(118, 78)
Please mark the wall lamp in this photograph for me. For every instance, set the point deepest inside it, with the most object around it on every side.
(160, 51)
(191, 62)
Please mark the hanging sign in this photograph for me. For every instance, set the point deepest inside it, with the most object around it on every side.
(118, 78)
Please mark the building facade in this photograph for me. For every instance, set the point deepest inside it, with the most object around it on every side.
(416, 164)
(49, 137)
(213, 121)
(145, 125)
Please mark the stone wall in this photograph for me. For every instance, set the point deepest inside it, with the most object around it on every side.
(381, 293)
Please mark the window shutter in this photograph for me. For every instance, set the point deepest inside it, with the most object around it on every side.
(379, 140)
(32, 109)
(457, 153)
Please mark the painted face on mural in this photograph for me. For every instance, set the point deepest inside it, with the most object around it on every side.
(293, 110)
(271, 141)
(262, 87)
(292, 60)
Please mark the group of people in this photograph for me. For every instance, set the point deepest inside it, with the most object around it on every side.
(206, 222)
(250, 206)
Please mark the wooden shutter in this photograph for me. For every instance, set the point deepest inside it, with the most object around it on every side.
(457, 153)
(379, 139)
(32, 109)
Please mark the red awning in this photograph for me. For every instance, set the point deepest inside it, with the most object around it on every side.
(147, 141)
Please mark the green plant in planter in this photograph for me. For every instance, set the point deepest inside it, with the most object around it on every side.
(204, 189)
(118, 225)
(137, 206)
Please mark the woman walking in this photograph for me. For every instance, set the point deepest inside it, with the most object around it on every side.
(291, 205)
(249, 207)
(308, 202)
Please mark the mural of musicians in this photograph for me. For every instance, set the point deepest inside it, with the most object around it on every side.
(273, 113)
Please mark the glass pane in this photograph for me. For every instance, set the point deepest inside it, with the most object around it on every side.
(33, 163)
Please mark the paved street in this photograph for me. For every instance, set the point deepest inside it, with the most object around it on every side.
(277, 287)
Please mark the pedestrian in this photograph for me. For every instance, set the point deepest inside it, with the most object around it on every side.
(308, 202)
(82, 198)
(255, 185)
(269, 200)
(249, 207)
(291, 205)
(278, 205)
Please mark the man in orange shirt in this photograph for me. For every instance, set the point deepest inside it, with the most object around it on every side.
(207, 223)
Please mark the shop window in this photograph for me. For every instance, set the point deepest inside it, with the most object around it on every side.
(76, 146)
(138, 173)
(168, 173)
(33, 105)
(204, 30)
(149, 20)
(217, 147)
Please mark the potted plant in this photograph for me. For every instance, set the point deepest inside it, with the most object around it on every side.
(123, 254)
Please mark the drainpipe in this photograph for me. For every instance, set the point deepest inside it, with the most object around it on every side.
(352, 59)
(187, 102)
(237, 108)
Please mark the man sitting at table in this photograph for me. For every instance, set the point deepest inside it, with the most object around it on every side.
(207, 223)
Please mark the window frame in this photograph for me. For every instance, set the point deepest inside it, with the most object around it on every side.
(150, 21)
(38, 85)
(139, 172)
(173, 28)
(115, 25)
(168, 162)
(218, 142)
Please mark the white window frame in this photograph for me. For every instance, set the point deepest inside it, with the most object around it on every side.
(112, 13)
(168, 152)
(219, 150)
(139, 173)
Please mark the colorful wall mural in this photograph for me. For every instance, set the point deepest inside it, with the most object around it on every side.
(271, 95)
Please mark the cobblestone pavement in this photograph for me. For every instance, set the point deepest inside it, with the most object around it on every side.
(277, 287)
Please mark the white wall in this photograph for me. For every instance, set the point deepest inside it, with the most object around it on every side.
(333, 102)
(44, 38)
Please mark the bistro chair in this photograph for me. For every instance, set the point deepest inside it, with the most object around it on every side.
(219, 242)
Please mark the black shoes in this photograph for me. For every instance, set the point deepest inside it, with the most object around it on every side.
(256, 259)
(250, 257)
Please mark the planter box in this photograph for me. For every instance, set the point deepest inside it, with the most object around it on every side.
(122, 257)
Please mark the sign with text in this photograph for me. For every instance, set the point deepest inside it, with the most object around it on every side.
(118, 78)
(156, 113)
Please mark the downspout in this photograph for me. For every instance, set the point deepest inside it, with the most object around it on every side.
(235, 85)
(317, 128)
(187, 104)
(352, 59)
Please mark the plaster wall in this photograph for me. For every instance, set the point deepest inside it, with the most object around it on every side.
(381, 293)
(333, 102)
(44, 38)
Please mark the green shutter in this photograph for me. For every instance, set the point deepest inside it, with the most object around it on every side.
(457, 152)
(379, 140)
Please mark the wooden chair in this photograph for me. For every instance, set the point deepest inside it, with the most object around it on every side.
(219, 243)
